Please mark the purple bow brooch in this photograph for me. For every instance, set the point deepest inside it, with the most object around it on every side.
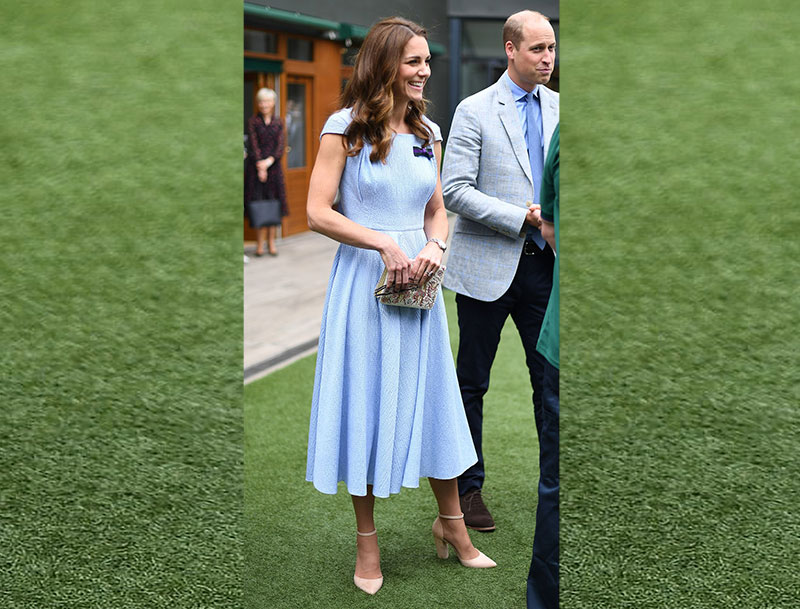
(426, 152)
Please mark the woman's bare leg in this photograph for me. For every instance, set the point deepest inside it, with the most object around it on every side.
(455, 531)
(261, 237)
(368, 556)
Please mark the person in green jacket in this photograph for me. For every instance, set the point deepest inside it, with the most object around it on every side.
(543, 574)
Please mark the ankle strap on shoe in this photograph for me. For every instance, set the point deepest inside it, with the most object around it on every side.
(366, 534)
(459, 517)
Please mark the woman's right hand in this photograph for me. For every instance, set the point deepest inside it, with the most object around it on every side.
(398, 265)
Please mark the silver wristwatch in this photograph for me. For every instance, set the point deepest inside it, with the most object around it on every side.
(439, 242)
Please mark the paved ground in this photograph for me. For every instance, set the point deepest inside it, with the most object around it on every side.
(283, 300)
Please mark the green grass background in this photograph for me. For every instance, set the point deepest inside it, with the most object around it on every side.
(680, 351)
(300, 543)
(120, 324)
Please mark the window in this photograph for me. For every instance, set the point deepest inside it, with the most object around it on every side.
(260, 42)
(301, 49)
(482, 39)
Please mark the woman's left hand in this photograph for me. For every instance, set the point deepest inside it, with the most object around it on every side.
(426, 263)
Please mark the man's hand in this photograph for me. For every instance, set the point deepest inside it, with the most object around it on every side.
(534, 216)
(549, 233)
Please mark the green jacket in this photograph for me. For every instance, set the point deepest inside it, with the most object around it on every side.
(548, 337)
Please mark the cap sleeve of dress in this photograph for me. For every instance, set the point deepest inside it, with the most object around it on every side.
(337, 122)
(437, 133)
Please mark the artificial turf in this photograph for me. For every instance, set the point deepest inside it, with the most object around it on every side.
(300, 543)
(679, 295)
(680, 372)
(120, 435)
(120, 325)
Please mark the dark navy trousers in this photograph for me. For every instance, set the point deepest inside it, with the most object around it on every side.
(543, 574)
(480, 324)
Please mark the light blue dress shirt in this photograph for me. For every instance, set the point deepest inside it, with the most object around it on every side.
(520, 96)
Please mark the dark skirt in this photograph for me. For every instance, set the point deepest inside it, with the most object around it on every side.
(273, 188)
(265, 140)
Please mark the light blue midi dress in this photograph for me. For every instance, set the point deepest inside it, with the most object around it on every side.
(386, 408)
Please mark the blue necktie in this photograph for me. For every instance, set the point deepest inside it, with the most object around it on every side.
(533, 137)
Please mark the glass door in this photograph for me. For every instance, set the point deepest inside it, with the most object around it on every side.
(299, 148)
(297, 121)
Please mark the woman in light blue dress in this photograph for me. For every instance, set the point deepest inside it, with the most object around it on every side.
(386, 409)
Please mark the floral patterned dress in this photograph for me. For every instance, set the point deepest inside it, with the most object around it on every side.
(265, 140)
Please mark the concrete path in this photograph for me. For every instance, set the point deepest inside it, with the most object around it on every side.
(283, 300)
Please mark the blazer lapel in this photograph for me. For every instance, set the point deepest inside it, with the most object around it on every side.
(549, 107)
(507, 111)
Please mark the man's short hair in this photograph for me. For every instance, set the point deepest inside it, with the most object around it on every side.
(512, 30)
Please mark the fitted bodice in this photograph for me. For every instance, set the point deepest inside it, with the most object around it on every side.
(391, 195)
(388, 196)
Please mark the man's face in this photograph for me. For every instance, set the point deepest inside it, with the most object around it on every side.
(532, 63)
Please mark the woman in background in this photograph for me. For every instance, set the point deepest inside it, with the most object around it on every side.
(263, 177)
(386, 408)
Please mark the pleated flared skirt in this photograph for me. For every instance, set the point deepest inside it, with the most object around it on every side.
(386, 408)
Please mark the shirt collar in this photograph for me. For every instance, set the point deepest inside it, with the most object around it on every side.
(518, 92)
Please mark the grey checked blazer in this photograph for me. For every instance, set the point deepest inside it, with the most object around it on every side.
(486, 180)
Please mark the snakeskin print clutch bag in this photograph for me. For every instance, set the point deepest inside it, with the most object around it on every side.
(415, 296)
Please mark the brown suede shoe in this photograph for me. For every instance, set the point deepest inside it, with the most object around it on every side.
(476, 514)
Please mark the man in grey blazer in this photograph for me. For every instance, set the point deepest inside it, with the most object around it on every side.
(499, 264)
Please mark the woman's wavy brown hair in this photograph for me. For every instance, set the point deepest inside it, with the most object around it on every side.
(369, 92)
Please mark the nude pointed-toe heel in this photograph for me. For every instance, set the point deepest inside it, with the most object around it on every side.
(481, 561)
(368, 585)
